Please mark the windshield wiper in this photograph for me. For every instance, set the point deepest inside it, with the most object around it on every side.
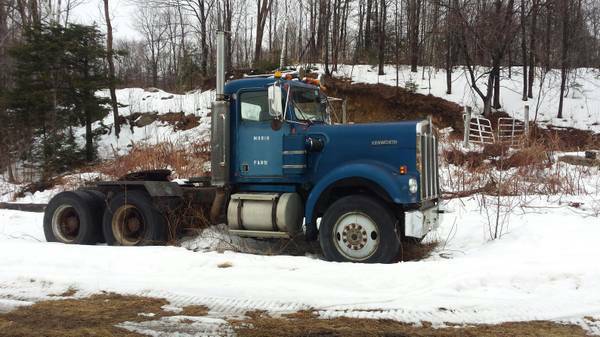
(304, 118)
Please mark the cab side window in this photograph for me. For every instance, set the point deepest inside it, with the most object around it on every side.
(255, 106)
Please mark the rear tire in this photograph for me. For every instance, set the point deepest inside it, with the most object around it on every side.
(97, 206)
(359, 228)
(71, 218)
(131, 219)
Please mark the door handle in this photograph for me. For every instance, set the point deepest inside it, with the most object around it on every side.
(224, 139)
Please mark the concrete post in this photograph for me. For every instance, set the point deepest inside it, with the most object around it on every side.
(467, 125)
(526, 120)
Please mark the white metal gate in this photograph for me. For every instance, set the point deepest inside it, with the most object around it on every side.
(510, 131)
(479, 130)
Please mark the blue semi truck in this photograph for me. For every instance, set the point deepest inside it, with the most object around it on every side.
(279, 169)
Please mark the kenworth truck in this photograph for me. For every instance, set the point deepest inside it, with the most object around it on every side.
(279, 169)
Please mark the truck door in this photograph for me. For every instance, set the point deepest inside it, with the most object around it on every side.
(259, 145)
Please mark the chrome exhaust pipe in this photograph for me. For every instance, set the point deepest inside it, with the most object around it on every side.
(220, 65)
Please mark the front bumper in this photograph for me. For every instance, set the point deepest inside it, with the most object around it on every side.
(420, 222)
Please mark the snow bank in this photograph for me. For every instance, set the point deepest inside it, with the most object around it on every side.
(136, 100)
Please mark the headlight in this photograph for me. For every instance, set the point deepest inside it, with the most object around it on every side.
(413, 187)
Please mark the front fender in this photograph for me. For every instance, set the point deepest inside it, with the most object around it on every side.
(395, 185)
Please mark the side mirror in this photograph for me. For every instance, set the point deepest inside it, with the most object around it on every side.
(275, 101)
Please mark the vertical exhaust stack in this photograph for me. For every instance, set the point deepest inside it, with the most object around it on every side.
(220, 122)
(220, 65)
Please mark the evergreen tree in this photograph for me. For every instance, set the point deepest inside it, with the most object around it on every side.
(84, 56)
(57, 72)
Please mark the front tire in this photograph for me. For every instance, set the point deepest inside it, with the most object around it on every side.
(359, 228)
(131, 219)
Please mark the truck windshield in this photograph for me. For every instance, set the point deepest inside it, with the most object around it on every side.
(308, 104)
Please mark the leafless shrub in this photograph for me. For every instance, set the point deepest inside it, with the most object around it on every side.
(185, 161)
(502, 179)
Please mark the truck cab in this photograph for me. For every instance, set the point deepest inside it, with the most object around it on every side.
(360, 189)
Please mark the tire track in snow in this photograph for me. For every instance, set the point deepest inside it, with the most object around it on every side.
(223, 307)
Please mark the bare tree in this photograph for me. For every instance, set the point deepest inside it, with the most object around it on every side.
(414, 20)
(487, 29)
(150, 23)
(381, 35)
(111, 68)
(263, 9)
(532, 46)
(570, 12)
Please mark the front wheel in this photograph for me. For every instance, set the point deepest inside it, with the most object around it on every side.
(359, 228)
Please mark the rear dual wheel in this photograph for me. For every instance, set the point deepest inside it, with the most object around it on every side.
(74, 217)
(131, 219)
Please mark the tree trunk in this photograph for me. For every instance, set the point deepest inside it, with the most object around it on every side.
(397, 45)
(449, 46)
(89, 137)
(11, 175)
(111, 69)
(496, 75)
(367, 39)
(382, 19)
(549, 16)
(264, 8)
(326, 34)
(203, 43)
(524, 51)
(414, 13)
(532, 48)
(564, 54)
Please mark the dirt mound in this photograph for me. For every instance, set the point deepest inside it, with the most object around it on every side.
(379, 102)
(179, 120)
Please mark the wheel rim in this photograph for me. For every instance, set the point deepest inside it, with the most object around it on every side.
(128, 225)
(66, 223)
(356, 236)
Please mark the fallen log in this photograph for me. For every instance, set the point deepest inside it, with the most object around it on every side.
(35, 208)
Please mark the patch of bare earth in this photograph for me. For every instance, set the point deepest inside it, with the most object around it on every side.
(194, 310)
(98, 316)
(307, 323)
(93, 316)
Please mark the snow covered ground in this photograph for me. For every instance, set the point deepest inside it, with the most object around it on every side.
(581, 106)
(543, 268)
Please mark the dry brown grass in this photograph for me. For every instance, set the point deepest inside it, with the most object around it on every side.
(412, 251)
(93, 316)
(194, 310)
(185, 161)
(179, 120)
(224, 265)
(98, 315)
(307, 323)
(67, 293)
(511, 172)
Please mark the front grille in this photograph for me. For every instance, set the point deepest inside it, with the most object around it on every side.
(430, 181)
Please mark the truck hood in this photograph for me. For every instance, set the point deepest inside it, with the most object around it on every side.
(388, 144)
